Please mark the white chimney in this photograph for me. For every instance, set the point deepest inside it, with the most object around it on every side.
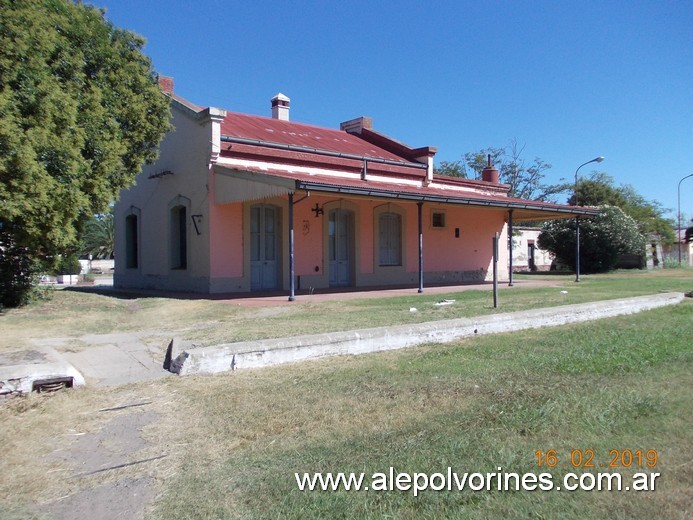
(280, 107)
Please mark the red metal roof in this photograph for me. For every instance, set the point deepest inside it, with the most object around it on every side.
(301, 134)
(309, 138)
(286, 158)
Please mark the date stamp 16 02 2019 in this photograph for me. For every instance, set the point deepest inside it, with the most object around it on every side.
(587, 458)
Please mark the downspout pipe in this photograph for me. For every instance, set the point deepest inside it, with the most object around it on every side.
(510, 248)
(292, 270)
(421, 274)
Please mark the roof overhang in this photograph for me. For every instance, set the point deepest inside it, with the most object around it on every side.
(234, 184)
(522, 211)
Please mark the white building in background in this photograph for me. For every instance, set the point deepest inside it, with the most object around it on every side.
(527, 256)
(672, 252)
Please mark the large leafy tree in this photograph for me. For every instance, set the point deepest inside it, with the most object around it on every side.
(596, 190)
(525, 178)
(80, 112)
(600, 189)
(603, 239)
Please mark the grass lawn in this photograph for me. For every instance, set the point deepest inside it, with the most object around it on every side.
(207, 322)
(235, 440)
(617, 384)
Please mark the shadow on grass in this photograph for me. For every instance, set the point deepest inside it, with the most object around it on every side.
(330, 293)
(545, 273)
(132, 294)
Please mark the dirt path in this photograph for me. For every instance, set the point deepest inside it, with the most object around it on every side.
(89, 453)
(117, 445)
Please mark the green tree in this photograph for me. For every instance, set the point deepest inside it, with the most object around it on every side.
(17, 272)
(98, 239)
(524, 178)
(603, 239)
(452, 169)
(649, 214)
(597, 190)
(600, 189)
(80, 112)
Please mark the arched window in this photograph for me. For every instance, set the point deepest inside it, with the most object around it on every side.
(131, 242)
(179, 238)
(390, 239)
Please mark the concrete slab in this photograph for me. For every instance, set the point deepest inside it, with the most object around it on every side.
(116, 359)
(253, 354)
(21, 370)
(112, 359)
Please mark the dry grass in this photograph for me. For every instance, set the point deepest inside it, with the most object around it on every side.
(73, 314)
(39, 447)
(476, 405)
(233, 441)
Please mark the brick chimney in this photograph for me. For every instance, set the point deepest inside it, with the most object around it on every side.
(354, 126)
(280, 107)
(490, 174)
(166, 84)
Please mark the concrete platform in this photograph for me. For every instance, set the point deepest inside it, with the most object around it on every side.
(25, 370)
(253, 354)
(125, 358)
(112, 359)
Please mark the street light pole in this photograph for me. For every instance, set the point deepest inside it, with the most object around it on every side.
(577, 219)
(678, 212)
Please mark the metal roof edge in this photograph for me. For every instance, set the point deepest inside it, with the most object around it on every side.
(374, 192)
(319, 151)
(194, 111)
(393, 145)
(239, 173)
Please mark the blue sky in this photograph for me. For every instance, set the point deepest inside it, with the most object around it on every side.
(569, 80)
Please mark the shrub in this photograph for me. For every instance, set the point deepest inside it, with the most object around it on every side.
(68, 264)
(18, 273)
(672, 262)
(603, 239)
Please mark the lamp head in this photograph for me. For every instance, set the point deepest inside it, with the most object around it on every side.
(598, 159)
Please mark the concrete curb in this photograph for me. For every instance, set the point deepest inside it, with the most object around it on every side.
(254, 354)
(21, 371)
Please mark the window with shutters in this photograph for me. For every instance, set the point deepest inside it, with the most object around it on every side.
(390, 239)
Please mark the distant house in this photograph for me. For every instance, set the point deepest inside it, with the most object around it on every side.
(527, 255)
(243, 203)
(684, 243)
(654, 252)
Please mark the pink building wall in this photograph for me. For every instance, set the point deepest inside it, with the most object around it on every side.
(444, 252)
(226, 240)
(308, 237)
